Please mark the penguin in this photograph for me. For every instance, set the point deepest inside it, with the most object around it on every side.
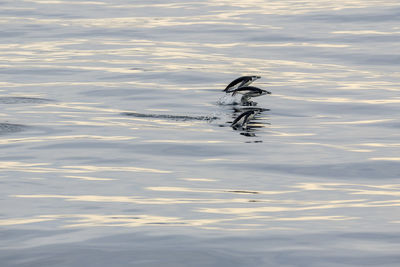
(248, 92)
(251, 91)
(240, 82)
(243, 109)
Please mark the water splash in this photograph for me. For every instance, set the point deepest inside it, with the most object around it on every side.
(227, 99)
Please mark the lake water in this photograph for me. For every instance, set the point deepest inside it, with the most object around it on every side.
(109, 158)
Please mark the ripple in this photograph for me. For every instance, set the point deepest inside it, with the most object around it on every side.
(47, 168)
(171, 117)
(22, 100)
(7, 128)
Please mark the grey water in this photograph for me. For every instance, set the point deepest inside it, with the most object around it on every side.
(116, 144)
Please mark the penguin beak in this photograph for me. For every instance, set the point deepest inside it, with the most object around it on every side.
(264, 92)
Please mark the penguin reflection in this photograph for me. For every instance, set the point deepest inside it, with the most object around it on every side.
(248, 120)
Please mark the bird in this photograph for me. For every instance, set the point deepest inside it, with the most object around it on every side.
(243, 109)
(243, 119)
(248, 92)
(240, 82)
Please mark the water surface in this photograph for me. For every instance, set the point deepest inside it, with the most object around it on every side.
(117, 151)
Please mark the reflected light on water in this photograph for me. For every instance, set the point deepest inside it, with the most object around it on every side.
(115, 55)
(380, 145)
(186, 141)
(211, 190)
(89, 168)
(386, 158)
(89, 178)
(239, 7)
(138, 200)
(199, 179)
(42, 168)
(355, 189)
(282, 134)
(66, 138)
(357, 122)
(221, 159)
(122, 220)
(5, 222)
(224, 211)
(46, 2)
(366, 32)
(340, 100)
(350, 148)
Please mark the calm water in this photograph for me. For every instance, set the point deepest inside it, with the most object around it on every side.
(315, 183)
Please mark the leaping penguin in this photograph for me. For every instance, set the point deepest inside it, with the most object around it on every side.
(248, 92)
(240, 82)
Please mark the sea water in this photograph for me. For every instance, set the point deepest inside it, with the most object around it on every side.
(117, 149)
